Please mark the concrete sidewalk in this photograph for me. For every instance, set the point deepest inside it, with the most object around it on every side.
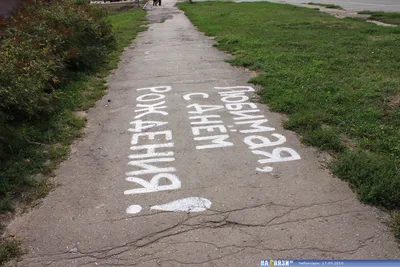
(178, 167)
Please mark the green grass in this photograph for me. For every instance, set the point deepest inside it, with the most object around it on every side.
(375, 177)
(386, 17)
(336, 79)
(39, 146)
(325, 5)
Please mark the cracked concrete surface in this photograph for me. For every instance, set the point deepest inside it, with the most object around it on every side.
(296, 211)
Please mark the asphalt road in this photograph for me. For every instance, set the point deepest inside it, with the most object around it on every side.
(179, 167)
(356, 5)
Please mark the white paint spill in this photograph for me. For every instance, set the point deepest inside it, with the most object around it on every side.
(133, 209)
(190, 204)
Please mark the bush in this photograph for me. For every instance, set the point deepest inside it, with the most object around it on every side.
(25, 73)
(39, 44)
(79, 32)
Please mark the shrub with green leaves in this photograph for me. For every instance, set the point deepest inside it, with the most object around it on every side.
(25, 73)
(39, 43)
(77, 31)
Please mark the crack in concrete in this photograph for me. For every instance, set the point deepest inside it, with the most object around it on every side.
(215, 246)
(264, 248)
(221, 223)
(312, 218)
(267, 224)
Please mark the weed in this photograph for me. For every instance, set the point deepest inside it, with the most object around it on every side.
(9, 249)
(395, 223)
(6, 204)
